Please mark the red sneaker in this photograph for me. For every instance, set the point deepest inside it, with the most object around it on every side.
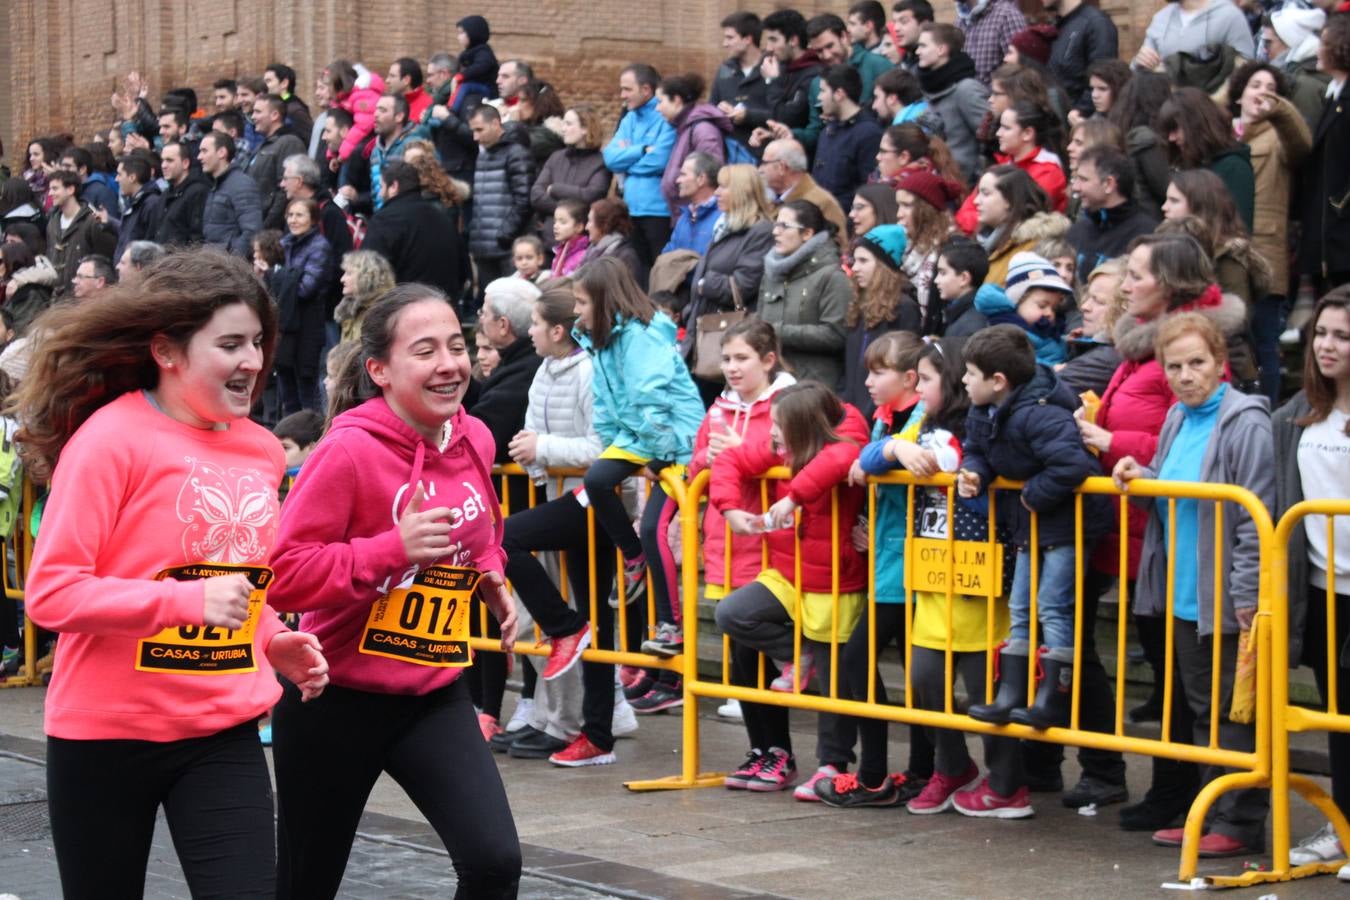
(983, 803)
(565, 651)
(1169, 837)
(582, 752)
(1212, 845)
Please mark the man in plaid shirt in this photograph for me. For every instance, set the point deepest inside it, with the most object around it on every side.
(989, 26)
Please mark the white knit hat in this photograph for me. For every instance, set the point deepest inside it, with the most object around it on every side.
(1293, 26)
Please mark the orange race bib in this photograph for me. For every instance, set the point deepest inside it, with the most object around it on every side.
(427, 623)
(207, 649)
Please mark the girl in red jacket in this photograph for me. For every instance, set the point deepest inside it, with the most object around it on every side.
(818, 437)
(391, 527)
(152, 564)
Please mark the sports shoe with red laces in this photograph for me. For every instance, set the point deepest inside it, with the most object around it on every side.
(983, 803)
(784, 682)
(488, 725)
(777, 773)
(847, 792)
(564, 652)
(806, 791)
(908, 785)
(582, 752)
(937, 794)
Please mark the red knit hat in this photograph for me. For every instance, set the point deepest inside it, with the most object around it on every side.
(1034, 42)
(938, 191)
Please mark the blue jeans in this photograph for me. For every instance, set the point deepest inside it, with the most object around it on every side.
(1054, 597)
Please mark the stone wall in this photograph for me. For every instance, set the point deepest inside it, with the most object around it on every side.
(62, 59)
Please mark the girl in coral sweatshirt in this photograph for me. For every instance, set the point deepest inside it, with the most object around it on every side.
(152, 564)
(391, 527)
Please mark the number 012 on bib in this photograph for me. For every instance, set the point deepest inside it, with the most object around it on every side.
(426, 623)
(207, 649)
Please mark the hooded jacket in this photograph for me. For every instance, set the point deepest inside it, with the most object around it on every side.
(1032, 437)
(1102, 235)
(233, 213)
(1221, 22)
(560, 414)
(1045, 169)
(129, 472)
(501, 194)
(817, 530)
(360, 102)
(805, 297)
(338, 549)
(420, 241)
(1135, 405)
(1241, 452)
(962, 102)
(701, 128)
(1048, 339)
(638, 154)
(645, 401)
(477, 62)
(787, 98)
(751, 421)
(180, 222)
(1040, 227)
(380, 155)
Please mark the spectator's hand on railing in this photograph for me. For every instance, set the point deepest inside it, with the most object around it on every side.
(856, 476)
(914, 458)
(743, 523)
(859, 536)
(523, 447)
(1127, 470)
(780, 514)
(1245, 616)
(503, 607)
(967, 484)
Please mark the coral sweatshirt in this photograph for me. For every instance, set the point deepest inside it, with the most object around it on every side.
(339, 549)
(135, 492)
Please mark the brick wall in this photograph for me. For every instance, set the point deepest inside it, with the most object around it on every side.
(62, 59)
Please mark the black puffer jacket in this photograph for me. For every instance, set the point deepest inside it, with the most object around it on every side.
(418, 237)
(180, 223)
(233, 213)
(501, 194)
(1032, 437)
(140, 221)
(265, 169)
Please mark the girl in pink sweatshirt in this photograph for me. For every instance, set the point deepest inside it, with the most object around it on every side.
(391, 527)
(152, 566)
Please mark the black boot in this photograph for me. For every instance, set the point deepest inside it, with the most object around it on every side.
(1012, 686)
(1053, 692)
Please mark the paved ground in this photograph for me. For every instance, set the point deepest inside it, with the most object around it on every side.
(585, 836)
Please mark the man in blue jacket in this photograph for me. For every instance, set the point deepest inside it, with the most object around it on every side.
(638, 154)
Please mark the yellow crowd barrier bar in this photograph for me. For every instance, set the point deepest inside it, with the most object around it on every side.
(1254, 768)
(22, 542)
(1288, 718)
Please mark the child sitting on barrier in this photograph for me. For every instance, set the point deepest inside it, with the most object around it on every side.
(818, 437)
(892, 383)
(1021, 427)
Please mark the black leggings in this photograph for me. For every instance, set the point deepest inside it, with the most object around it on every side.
(561, 525)
(330, 751)
(217, 798)
(602, 478)
(1315, 655)
(872, 733)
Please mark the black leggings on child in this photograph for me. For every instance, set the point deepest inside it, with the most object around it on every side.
(602, 478)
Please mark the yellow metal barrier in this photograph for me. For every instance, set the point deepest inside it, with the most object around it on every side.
(1289, 718)
(22, 542)
(1254, 767)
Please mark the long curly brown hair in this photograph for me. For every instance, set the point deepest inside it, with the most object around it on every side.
(878, 302)
(86, 355)
(429, 171)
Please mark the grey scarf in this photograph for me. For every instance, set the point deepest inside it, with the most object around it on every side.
(778, 266)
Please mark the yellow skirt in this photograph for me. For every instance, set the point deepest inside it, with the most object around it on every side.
(969, 615)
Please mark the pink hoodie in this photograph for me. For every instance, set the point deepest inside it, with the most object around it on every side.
(134, 492)
(339, 549)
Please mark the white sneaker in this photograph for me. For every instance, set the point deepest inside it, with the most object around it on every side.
(521, 717)
(1321, 846)
(1344, 873)
(806, 791)
(625, 720)
(731, 710)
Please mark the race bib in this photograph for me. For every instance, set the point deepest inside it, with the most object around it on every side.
(207, 649)
(427, 623)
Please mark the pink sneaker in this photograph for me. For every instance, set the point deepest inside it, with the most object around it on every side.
(983, 803)
(777, 772)
(806, 791)
(936, 796)
(783, 683)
